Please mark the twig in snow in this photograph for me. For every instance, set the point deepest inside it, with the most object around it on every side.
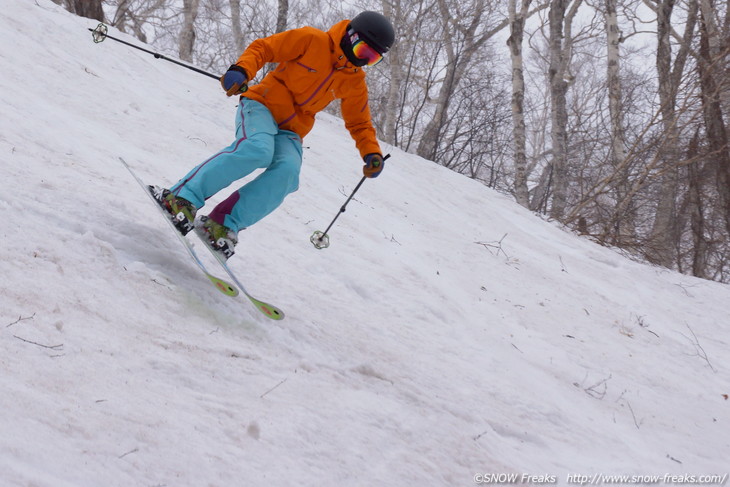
(52, 347)
(684, 288)
(21, 318)
(699, 351)
(494, 245)
(344, 193)
(626, 331)
(642, 323)
(277, 385)
(499, 249)
(594, 391)
(392, 238)
(130, 452)
(198, 139)
(632, 414)
(621, 398)
(673, 459)
(477, 437)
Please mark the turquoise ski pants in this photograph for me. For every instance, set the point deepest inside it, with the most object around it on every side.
(259, 144)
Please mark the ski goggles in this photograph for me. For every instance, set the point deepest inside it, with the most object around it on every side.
(362, 50)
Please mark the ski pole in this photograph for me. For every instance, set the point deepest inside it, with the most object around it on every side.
(100, 33)
(321, 240)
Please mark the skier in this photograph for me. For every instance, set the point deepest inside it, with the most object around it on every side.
(314, 68)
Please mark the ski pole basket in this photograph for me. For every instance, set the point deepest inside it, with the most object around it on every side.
(99, 34)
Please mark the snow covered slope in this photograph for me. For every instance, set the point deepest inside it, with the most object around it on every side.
(446, 333)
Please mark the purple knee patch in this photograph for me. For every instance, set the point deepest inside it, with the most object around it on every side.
(224, 208)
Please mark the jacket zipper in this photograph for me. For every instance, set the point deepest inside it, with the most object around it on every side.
(311, 70)
(317, 89)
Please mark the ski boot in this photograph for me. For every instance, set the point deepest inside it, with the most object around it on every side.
(221, 239)
(181, 211)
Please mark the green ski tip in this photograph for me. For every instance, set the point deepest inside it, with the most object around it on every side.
(269, 310)
(223, 286)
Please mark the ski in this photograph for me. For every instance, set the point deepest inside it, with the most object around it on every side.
(267, 309)
(223, 286)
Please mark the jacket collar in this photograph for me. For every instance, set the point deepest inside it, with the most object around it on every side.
(339, 60)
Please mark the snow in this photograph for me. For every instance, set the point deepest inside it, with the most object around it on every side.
(446, 334)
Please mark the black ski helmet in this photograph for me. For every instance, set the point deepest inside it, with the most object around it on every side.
(374, 28)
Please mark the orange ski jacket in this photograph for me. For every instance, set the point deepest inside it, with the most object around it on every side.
(312, 71)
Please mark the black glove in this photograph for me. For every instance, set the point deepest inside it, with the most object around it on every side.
(234, 81)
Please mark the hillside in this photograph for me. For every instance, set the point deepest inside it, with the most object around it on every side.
(446, 333)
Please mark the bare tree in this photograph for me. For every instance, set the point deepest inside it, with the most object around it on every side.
(399, 98)
(461, 42)
(561, 44)
(517, 29)
(615, 108)
(91, 9)
(711, 70)
(393, 10)
(697, 211)
(236, 24)
(669, 75)
(282, 15)
(186, 38)
(133, 16)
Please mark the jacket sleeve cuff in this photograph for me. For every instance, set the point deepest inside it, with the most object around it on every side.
(236, 67)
